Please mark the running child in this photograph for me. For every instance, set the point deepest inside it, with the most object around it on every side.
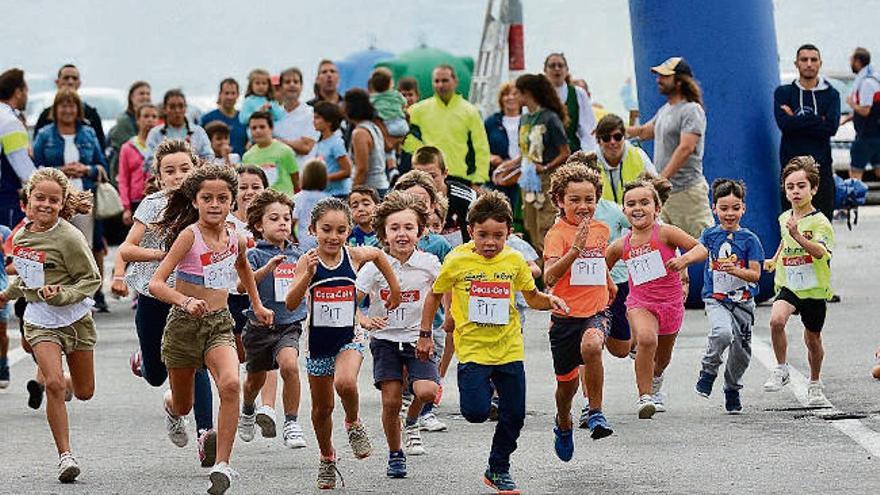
(460, 196)
(437, 216)
(260, 97)
(314, 185)
(394, 334)
(57, 275)
(655, 304)
(730, 284)
(269, 348)
(330, 148)
(327, 274)
(277, 160)
(803, 275)
(362, 201)
(483, 276)
(206, 255)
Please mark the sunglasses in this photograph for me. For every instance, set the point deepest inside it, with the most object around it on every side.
(617, 136)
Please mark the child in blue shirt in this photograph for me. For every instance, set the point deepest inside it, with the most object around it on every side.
(260, 95)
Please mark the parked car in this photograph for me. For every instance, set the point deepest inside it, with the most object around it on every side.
(109, 103)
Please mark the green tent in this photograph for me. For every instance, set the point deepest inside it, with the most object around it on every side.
(420, 62)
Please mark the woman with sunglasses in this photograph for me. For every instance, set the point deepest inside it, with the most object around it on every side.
(620, 161)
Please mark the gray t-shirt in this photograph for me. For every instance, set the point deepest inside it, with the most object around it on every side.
(139, 273)
(669, 122)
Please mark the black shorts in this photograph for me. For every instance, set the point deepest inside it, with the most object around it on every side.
(864, 151)
(619, 324)
(812, 311)
(237, 305)
(262, 344)
(390, 357)
(565, 341)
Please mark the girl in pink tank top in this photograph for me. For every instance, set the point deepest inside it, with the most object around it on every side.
(655, 305)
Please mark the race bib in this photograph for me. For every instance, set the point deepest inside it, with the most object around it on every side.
(489, 303)
(271, 173)
(333, 306)
(646, 267)
(283, 280)
(28, 264)
(589, 271)
(219, 269)
(800, 272)
(725, 283)
(408, 314)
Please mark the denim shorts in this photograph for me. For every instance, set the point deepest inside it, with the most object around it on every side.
(326, 366)
(391, 358)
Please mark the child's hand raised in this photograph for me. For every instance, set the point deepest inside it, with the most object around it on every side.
(311, 260)
(791, 225)
(583, 231)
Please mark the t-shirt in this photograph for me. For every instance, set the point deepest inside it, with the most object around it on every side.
(139, 273)
(669, 122)
(740, 247)
(360, 238)
(511, 128)
(237, 131)
(279, 163)
(303, 203)
(415, 275)
(329, 151)
(274, 286)
(584, 287)
(435, 244)
(807, 277)
(609, 213)
(487, 326)
(296, 124)
(529, 254)
(540, 136)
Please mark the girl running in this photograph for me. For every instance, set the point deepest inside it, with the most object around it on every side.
(57, 275)
(655, 305)
(327, 274)
(198, 333)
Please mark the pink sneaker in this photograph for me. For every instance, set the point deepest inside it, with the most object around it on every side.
(135, 362)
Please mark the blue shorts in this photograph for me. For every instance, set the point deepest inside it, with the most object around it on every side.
(326, 366)
(390, 358)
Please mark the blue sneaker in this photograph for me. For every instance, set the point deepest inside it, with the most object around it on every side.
(598, 425)
(704, 384)
(501, 482)
(732, 402)
(564, 443)
(396, 465)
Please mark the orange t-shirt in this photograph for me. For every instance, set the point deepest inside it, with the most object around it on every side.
(586, 292)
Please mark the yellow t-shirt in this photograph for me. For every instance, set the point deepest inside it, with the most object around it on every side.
(487, 326)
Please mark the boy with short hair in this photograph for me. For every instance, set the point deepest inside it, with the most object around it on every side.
(363, 201)
(430, 159)
(483, 276)
(218, 134)
(276, 159)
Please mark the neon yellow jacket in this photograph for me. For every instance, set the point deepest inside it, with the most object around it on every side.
(457, 130)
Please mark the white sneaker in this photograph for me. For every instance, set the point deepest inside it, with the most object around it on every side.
(815, 395)
(246, 426)
(657, 396)
(68, 469)
(646, 407)
(221, 477)
(266, 421)
(413, 440)
(404, 405)
(778, 378)
(293, 435)
(175, 425)
(429, 422)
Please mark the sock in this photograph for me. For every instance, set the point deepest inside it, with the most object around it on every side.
(411, 421)
(290, 417)
(248, 409)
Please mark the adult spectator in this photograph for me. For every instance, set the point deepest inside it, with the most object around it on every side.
(866, 147)
(502, 130)
(132, 178)
(620, 161)
(177, 126)
(326, 84)
(126, 127)
(226, 113)
(544, 146)
(296, 128)
(68, 77)
(447, 121)
(678, 130)
(367, 142)
(16, 166)
(807, 112)
(581, 120)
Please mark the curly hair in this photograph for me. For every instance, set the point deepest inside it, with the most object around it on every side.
(179, 213)
(573, 172)
(74, 202)
(258, 207)
(805, 163)
(642, 183)
(588, 159)
(327, 205)
(170, 147)
(491, 205)
(727, 187)
(417, 178)
(397, 201)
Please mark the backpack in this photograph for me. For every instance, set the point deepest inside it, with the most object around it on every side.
(849, 194)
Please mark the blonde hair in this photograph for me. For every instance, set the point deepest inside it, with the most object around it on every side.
(506, 87)
(74, 202)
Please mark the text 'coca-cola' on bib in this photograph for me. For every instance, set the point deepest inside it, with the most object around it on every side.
(283, 275)
(408, 314)
(218, 268)
(333, 306)
(28, 264)
(589, 268)
(489, 303)
(800, 272)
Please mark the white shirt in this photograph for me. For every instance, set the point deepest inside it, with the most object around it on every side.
(511, 127)
(295, 124)
(71, 155)
(865, 85)
(586, 118)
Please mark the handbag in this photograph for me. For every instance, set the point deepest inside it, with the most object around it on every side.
(108, 204)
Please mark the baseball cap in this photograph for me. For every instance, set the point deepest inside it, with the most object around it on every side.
(672, 66)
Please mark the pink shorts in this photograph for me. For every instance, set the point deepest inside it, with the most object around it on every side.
(669, 316)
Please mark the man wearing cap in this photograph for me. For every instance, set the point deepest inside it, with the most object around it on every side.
(678, 129)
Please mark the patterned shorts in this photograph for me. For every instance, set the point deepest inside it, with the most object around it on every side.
(326, 366)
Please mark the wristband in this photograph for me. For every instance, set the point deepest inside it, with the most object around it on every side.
(427, 334)
(185, 303)
(120, 279)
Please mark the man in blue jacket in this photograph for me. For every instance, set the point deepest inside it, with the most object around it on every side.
(807, 112)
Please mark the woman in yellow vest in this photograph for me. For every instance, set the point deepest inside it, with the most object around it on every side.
(621, 162)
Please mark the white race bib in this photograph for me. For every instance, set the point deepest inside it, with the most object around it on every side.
(646, 267)
(408, 314)
(283, 280)
(333, 306)
(271, 173)
(28, 264)
(589, 271)
(489, 303)
(725, 283)
(800, 272)
(219, 269)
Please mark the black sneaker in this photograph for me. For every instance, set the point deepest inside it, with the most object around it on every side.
(396, 465)
(731, 402)
(501, 482)
(704, 384)
(35, 392)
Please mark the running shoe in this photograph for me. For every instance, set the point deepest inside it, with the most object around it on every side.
(68, 469)
(327, 472)
(221, 477)
(135, 363)
(563, 443)
(500, 482)
(396, 465)
(4, 376)
(266, 421)
(359, 440)
(293, 435)
(704, 384)
(598, 425)
(246, 428)
(647, 408)
(732, 403)
(176, 427)
(208, 447)
(585, 416)
(429, 422)
(815, 395)
(412, 438)
(35, 394)
(779, 378)
(405, 403)
(656, 395)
